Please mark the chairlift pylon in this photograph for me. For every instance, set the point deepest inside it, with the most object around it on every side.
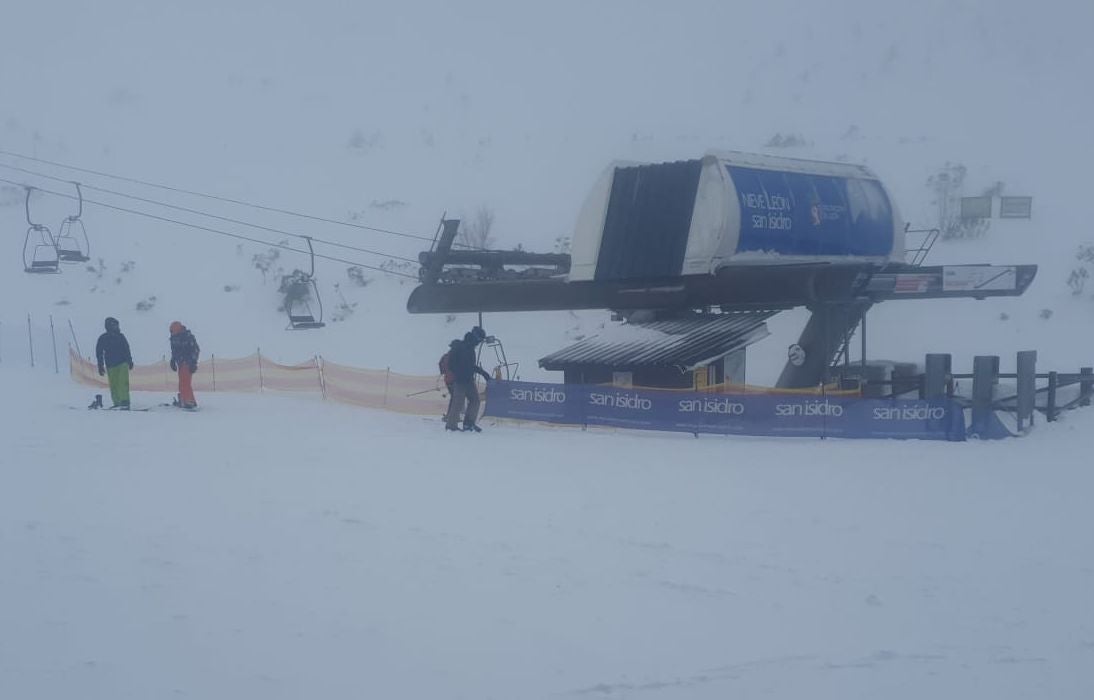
(300, 313)
(40, 253)
(72, 242)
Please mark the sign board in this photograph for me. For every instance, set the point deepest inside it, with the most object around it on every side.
(1016, 207)
(976, 207)
(726, 414)
(964, 278)
(791, 213)
(915, 283)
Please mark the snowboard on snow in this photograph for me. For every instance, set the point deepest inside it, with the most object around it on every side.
(97, 405)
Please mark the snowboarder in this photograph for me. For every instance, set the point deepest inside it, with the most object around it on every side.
(463, 365)
(115, 361)
(184, 360)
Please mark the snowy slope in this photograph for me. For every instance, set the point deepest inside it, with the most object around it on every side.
(274, 547)
(271, 547)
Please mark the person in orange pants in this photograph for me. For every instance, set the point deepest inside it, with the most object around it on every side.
(184, 360)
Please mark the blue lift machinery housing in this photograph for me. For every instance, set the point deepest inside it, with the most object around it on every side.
(728, 232)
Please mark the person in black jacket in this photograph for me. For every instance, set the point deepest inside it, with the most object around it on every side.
(115, 361)
(184, 360)
(463, 365)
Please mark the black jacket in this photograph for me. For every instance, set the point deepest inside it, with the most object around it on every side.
(112, 350)
(184, 349)
(461, 362)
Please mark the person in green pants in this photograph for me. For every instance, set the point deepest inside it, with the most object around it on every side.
(115, 361)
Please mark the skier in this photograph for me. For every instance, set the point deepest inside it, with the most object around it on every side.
(184, 360)
(461, 362)
(443, 365)
(115, 361)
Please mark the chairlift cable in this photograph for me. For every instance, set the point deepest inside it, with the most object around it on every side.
(218, 198)
(199, 212)
(216, 231)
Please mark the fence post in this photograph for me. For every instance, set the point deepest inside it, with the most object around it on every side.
(213, 362)
(1086, 386)
(30, 341)
(261, 383)
(985, 374)
(53, 340)
(1027, 388)
(387, 380)
(1050, 407)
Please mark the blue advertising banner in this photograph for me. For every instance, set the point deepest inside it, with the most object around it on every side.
(812, 215)
(726, 414)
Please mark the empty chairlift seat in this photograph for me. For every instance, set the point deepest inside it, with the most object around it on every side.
(72, 242)
(39, 246)
(301, 317)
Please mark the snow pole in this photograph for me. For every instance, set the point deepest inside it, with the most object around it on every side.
(72, 332)
(30, 341)
(213, 362)
(53, 340)
(322, 379)
(1086, 383)
(387, 381)
(260, 384)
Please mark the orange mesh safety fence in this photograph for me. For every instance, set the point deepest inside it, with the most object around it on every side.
(304, 376)
(383, 389)
(821, 390)
(232, 374)
(825, 390)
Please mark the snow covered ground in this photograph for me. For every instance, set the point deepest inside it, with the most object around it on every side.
(275, 547)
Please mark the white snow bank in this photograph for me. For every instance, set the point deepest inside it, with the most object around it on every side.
(270, 547)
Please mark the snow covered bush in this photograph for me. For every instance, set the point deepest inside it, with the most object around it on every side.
(1083, 271)
(146, 304)
(948, 187)
(264, 262)
(780, 140)
(343, 309)
(295, 287)
(356, 274)
(476, 232)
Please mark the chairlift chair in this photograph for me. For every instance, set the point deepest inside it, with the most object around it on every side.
(40, 254)
(504, 369)
(72, 242)
(300, 313)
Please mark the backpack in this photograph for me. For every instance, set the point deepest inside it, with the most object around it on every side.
(445, 371)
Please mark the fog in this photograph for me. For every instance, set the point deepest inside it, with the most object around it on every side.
(450, 106)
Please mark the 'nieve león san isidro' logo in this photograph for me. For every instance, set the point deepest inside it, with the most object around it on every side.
(724, 407)
(909, 413)
(634, 402)
(808, 408)
(538, 395)
(768, 211)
